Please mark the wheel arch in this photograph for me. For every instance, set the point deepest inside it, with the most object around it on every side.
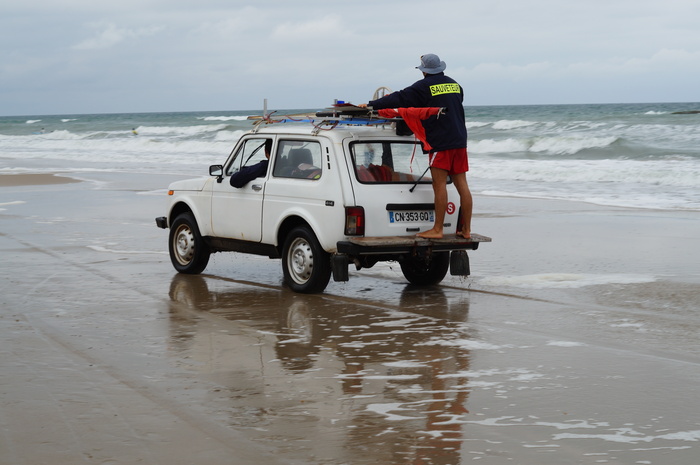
(178, 209)
(327, 237)
(286, 226)
(191, 206)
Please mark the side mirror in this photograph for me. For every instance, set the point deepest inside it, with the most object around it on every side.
(218, 171)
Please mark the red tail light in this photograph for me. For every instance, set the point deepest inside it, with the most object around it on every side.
(354, 221)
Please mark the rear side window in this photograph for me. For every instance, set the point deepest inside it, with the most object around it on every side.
(298, 159)
(389, 162)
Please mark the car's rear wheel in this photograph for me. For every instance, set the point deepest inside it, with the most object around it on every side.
(188, 251)
(306, 266)
(426, 271)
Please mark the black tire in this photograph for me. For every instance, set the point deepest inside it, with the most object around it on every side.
(426, 272)
(188, 251)
(306, 266)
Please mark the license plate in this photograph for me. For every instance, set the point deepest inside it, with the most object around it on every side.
(421, 216)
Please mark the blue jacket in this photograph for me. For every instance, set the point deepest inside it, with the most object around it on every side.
(248, 173)
(448, 131)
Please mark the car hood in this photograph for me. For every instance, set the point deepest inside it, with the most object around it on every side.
(196, 184)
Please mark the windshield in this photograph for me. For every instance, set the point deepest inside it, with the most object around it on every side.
(389, 162)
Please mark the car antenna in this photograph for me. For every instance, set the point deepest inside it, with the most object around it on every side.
(418, 180)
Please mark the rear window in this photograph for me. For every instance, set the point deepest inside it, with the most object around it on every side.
(380, 162)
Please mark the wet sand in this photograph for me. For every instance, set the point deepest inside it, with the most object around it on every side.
(574, 341)
(33, 179)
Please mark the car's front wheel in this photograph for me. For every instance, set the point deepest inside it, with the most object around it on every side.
(188, 251)
(306, 266)
(426, 272)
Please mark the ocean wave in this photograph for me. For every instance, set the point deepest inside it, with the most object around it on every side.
(677, 173)
(570, 145)
(512, 124)
(228, 136)
(179, 131)
(491, 146)
(164, 133)
(61, 134)
(557, 145)
(223, 118)
(142, 149)
(476, 124)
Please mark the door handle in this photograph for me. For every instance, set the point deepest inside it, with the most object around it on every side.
(256, 187)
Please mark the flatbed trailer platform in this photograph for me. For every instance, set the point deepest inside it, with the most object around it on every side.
(398, 244)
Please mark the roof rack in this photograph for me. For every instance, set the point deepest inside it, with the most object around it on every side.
(340, 114)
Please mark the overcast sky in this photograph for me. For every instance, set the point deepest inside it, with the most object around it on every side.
(104, 56)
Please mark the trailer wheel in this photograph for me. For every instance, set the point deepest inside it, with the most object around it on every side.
(423, 271)
(306, 266)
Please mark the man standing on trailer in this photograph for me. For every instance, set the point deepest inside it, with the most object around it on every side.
(446, 134)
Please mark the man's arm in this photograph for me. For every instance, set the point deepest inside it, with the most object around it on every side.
(248, 173)
(411, 96)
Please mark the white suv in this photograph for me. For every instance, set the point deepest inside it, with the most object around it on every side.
(338, 190)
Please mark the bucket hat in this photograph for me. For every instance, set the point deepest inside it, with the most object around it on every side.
(431, 64)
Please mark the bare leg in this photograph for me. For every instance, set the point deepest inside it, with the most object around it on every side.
(440, 192)
(465, 198)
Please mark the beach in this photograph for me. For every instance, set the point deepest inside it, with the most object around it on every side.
(33, 180)
(573, 341)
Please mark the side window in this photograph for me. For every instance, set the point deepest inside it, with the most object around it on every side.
(298, 159)
(251, 152)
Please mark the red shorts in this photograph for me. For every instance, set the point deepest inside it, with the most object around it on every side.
(454, 161)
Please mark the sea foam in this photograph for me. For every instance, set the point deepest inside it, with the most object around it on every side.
(563, 280)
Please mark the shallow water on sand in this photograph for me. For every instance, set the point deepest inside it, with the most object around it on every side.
(574, 341)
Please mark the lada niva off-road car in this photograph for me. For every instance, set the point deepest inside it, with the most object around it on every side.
(339, 191)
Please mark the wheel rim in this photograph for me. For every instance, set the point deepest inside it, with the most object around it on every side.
(183, 244)
(300, 260)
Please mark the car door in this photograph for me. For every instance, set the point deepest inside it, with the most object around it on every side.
(236, 213)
